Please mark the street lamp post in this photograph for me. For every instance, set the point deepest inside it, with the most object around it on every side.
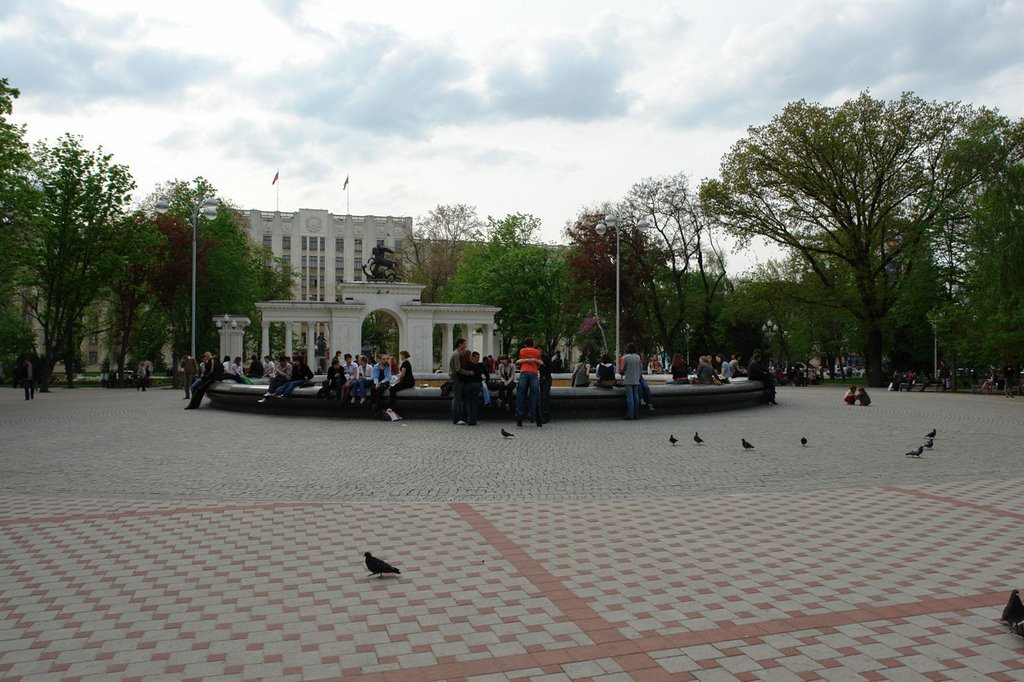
(205, 207)
(611, 220)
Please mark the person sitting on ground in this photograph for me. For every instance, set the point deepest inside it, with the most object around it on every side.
(506, 382)
(851, 395)
(605, 372)
(581, 374)
(862, 396)
(680, 372)
(381, 375)
(405, 377)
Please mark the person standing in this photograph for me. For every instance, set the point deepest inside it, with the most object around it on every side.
(471, 379)
(26, 374)
(529, 363)
(632, 370)
(141, 374)
(544, 380)
(757, 371)
(189, 369)
(454, 372)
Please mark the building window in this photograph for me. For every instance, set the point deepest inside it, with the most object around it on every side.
(311, 261)
(339, 263)
(380, 242)
(398, 245)
(359, 264)
(358, 243)
(268, 241)
(286, 243)
(94, 338)
(339, 245)
(93, 358)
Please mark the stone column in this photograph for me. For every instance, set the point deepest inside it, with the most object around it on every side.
(288, 339)
(311, 344)
(265, 340)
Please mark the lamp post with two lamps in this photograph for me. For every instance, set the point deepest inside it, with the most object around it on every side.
(206, 207)
(611, 220)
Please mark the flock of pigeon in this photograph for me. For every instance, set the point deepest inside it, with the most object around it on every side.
(1013, 614)
(929, 443)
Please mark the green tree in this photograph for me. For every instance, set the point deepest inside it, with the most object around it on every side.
(527, 280)
(855, 190)
(232, 272)
(71, 242)
(131, 300)
(16, 200)
(433, 254)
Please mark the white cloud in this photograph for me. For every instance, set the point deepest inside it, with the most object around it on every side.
(535, 106)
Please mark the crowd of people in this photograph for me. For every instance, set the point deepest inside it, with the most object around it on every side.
(521, 386)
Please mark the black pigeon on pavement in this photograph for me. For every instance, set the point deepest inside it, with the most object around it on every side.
(379, 567)
(697, 439)
(506, 434)
(929, 443)
(1014, 611)
(746, 445)
(931, 434)
(672, 439)
(803, 441)
(916, 453)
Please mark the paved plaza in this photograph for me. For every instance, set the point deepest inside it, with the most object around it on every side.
(138, 540)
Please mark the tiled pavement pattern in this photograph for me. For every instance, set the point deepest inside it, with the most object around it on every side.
(891, 581)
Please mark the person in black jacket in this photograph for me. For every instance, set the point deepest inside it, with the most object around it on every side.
(213, 371)
(757, 371)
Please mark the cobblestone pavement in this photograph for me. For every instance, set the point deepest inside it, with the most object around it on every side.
(138, 540)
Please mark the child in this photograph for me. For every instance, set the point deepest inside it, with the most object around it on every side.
(862, 396)
(851, 395)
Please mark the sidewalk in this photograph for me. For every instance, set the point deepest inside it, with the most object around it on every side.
(864, 582)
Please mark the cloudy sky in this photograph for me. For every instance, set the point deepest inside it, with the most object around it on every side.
(536, 107)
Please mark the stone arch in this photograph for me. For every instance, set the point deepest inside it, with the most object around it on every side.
(395, 316)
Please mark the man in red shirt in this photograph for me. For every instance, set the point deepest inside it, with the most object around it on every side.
(529, 364)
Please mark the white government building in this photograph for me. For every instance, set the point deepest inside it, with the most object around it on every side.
(331, 296)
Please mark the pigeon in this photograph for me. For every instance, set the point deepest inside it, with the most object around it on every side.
(697, 439)
(672, 439)
(929, 443)
(930, 434)
(1014, 611)
(379, 567)
(746, 445)
(803, 441)
(506, 434)
(916, 453)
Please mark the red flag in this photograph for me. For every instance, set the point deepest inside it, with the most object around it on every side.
(345, 186)
(276, 176)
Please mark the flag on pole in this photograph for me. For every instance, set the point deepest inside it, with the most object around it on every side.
(345, 186)
(277, 174)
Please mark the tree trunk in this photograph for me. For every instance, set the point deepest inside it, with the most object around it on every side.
(876, 378)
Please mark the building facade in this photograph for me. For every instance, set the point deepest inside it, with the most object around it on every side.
(326, 250)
